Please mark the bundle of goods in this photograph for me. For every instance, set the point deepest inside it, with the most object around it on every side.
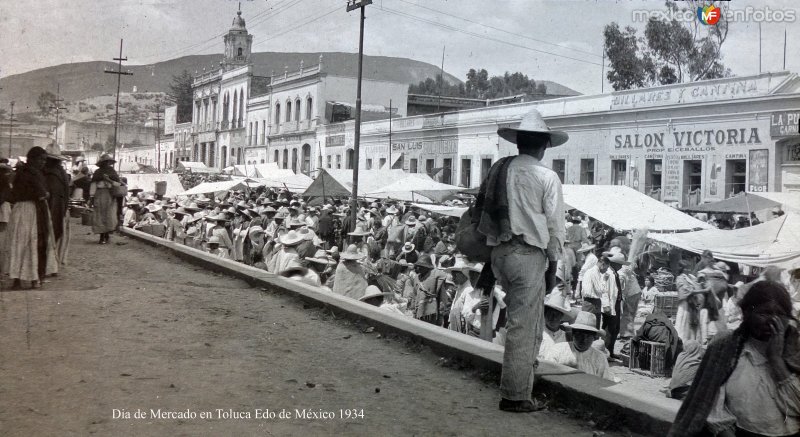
(664, 280)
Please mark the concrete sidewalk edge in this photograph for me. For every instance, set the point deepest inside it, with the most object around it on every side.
(575, 390)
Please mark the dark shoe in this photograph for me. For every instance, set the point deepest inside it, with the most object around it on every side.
(520, 406)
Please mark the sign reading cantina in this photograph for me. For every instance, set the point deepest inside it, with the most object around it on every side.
(687, 140)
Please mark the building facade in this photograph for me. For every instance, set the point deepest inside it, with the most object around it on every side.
(247, 114)
(683, 144)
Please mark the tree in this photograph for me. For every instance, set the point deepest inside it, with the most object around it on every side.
(670, 52)
(480, 86)
(45, 102)
(97, 147)
(180, 91)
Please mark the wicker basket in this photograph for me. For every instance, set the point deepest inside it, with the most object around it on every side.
(649, 358)
(667, 303)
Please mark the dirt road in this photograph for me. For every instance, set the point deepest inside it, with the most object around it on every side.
(127, 329)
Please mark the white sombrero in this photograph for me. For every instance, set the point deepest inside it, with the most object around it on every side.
(533, 122)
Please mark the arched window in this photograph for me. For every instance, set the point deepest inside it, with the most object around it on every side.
(309, 108)
(241, 108)
(285, 158)
(277, 115)
(239, 52)
(277, 156)
(306, 159)
(294, 160)
(289, 111)
(297, 110)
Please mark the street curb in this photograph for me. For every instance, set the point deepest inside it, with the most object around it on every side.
(566, 386)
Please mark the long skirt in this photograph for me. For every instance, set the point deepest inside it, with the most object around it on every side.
(629, 308)
(105, 212)
(62, 245)
(26, 259)
(5, 250)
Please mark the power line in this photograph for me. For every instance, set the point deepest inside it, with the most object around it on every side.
(477, 35)
(499, 29)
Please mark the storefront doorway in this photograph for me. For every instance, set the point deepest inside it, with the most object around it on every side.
(692, 182)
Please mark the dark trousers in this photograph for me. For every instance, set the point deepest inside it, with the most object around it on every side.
(594, 306)
(611, 326)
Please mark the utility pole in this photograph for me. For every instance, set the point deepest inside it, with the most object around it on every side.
(352, 5)
(57, 106)
(119, 74)
(10, 129)
(158, 119)
(441, 83)
(390, 134)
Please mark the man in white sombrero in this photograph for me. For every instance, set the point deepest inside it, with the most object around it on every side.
(579, 353)
(525, 225)
(554, 314)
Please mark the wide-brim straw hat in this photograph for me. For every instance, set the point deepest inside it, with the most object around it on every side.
(360, 232)
(105, 157)
(321, 257)
(153, 207)
(202, 199)
(392, 210)
(291, 238)
(461, 265)
(214, 240)
(585, 247)
(615, 255)
(585, 321)
(192, 207)
(351, 253)
(372, 291)
(307, 234)
(135, 189)
(255, 230)
(534, 123)
(219, 218)
(408, 248)
(556, 301)
(411, 220)
(295, 223)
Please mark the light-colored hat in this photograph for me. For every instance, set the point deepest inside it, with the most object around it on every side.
(153, 207)
(295, 223)
(411, 220)
(213, 240)
(105, 157)
(351, 253)
(615, 255)
(392, 210)
(133, 202)
(461, 265)
(408, 248)
(192, 207)
(556, 302)
(307, 234)
(254, 230)
(219, 218)
(372, 291)
(360, 232)
(585, 321)
(202, 199)
(585, 247)
(321, 257)
(291, 238)
(134, 189)
(533, 122)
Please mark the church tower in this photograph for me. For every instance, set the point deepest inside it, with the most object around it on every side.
(237, 44)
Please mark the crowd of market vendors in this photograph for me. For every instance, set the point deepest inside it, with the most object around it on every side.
(411, 261)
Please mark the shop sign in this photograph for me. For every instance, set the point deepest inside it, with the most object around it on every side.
(688, 140)
(334, 141)
(690, 94)
(433, 147)
(672, 178)
(784, 123)
(758, 171)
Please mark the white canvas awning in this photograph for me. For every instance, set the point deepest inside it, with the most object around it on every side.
(415, 186)
(221, 187)
(626, 209)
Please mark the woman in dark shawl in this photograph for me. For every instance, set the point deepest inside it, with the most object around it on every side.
(106, 215)
(57, 182)
(31, 241)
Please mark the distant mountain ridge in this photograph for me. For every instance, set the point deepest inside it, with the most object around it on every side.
(84, 80)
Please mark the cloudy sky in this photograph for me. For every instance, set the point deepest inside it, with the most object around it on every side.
(554, 40)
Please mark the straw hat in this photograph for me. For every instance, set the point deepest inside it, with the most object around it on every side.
(461, 265)
(295, 223)
(105, 157)
(291, 238)
(219, 218)
(308, 234)
(351, 253)
(202, 199)
(556, 302)
(372, 291)
(615, 255)
(192, 207)
(585, 321)
(134, 189)
(280, 215)
(360, 232)
(153, 207)
(585, 247)
(321, 257)
(255, 230)
(534, 123)
(408, 248)
(214, 240)
(411, 221)
(392, 210)
(133, 202)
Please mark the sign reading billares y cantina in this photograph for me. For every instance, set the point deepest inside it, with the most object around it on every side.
(784, 123)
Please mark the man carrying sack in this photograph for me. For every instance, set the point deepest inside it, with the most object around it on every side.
(525, 228)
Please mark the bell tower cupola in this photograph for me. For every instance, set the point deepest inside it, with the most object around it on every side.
(237, 43)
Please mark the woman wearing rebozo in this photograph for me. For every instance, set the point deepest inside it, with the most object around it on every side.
(31, 243)
(105, 185)
(748, 383)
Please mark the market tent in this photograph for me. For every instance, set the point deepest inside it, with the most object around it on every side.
(772, 243)
(626, 209)
(265, 170)
(451, 211)
(412, 187)
(194, 167)
(221, 187)
(339, 183)
(294, 182)
(147, 182)
(743, 203)
(790, 201)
